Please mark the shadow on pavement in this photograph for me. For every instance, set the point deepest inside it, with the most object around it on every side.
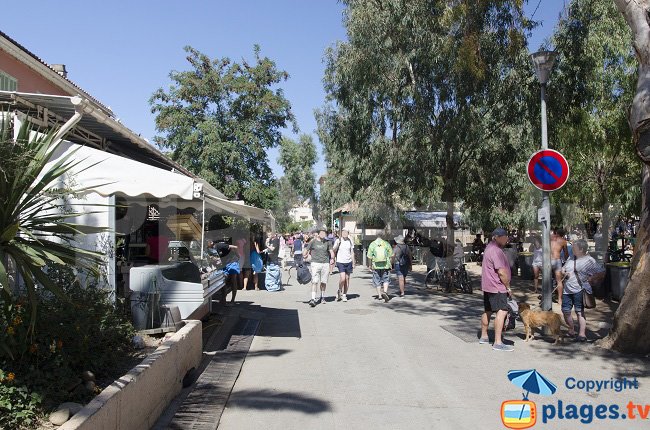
(273, 400)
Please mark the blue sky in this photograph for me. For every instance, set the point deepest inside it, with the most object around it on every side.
(122, 51)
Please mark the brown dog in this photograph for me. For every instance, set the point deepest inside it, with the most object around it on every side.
(537, 319)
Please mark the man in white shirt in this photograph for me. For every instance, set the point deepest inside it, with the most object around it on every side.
(344, 249)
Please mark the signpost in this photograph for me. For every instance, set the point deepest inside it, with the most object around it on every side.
(548, 171)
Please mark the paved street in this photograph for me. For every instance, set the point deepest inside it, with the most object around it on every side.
(412, 363)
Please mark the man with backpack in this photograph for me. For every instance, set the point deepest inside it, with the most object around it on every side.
(322, 255)
(403, 262)
(344, 249)
(380, 253)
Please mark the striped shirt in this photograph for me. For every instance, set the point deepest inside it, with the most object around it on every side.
(586, 267)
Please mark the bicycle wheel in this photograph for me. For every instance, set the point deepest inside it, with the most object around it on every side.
(466, 283)
(431, 278)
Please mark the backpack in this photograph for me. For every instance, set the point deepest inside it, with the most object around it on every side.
(403, 259)
(303, 274)
(381, 253)
(513, 314)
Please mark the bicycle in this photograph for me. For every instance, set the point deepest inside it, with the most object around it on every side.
(449, 279)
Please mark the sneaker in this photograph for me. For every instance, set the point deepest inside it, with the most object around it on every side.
(401, 295)
(385, 297)
(344, 297)
(483, 340)
(502, 347)
(322, 300)
(312, 303)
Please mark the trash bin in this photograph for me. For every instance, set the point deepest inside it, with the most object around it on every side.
(525, 261)
(618, 275)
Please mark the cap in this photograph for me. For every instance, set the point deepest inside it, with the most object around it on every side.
(499, 232)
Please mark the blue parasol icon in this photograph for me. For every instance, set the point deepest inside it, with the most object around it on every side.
(531, 381)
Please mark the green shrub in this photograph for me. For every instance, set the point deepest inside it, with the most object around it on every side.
(81, 331)
(18, 406)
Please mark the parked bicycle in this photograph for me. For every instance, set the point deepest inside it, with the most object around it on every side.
(449, 279)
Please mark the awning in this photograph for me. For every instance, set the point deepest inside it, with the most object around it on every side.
(112, 174)
(107, 174)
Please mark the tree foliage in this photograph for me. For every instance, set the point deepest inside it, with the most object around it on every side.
(219, 119)
(424, 96)
(37, 230)
(591, 89)
(298, 160)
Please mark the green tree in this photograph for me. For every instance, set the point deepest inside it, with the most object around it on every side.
(422, 96)
(220, 118)
(592, 85)
(631, 327)
(298, 160)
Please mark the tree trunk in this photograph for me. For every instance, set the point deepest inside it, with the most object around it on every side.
(450, 232)
(631, 329)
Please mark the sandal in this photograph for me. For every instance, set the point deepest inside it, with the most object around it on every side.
(581, 339)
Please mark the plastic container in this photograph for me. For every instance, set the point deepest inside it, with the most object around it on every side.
(618, 275)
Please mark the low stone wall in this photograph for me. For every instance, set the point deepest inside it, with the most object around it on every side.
(137, 399)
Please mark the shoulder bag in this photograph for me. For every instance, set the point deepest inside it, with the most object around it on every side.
(588, 300)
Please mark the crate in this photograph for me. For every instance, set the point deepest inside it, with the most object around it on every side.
(185, 227)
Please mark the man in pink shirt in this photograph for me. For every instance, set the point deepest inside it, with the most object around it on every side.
(495, 283)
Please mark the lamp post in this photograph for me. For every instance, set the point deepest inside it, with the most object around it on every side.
(543, 62)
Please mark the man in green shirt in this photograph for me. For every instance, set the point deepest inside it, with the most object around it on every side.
(379, 253)
(322, 255)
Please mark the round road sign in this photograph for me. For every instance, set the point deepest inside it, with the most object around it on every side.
(548, 170)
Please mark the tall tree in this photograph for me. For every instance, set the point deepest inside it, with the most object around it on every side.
(592, 85)
(220, 118)
(298, 160)
(631, 328)
(419, 93)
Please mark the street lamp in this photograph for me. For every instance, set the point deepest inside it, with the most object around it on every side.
(543, 62)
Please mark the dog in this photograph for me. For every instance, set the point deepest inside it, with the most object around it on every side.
(536, 319)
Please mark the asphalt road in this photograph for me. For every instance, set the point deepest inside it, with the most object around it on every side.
(411, 363)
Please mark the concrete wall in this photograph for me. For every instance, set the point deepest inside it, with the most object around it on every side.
(137, 399)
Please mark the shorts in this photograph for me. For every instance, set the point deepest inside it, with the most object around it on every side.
(493, 302)
(232, 268)
(556, 264)
(380, 277)
(537, 264)
(319, 273)
(344, 267)
(401, 271)
(572, 300)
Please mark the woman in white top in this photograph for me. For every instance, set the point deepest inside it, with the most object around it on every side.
(344, 249)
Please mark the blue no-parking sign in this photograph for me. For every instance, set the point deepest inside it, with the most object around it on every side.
(548, 170)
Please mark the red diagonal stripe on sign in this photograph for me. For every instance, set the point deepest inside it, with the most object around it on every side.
(548, 170)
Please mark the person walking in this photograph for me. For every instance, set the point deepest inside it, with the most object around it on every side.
(403, 262)
(495, 283)
(321, 254)
(273, 278)
(580, 273)
(297, 250)
(344, 249)
(380, 253)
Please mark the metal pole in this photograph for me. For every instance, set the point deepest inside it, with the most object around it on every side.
(203, 227)
(547, 291)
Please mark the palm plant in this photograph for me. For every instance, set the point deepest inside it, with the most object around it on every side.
(35, 229)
